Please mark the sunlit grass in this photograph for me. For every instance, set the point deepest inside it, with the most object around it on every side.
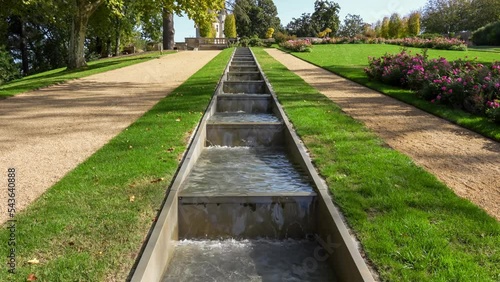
(61, 75)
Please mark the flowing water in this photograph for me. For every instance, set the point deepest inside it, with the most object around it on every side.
(242, 117)
(249, 260)
(243, 170)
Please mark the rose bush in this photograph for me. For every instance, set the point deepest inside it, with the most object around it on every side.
(433, 43)
(297, 45)
(462, 84)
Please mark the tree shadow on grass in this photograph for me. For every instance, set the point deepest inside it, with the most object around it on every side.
(39, 81)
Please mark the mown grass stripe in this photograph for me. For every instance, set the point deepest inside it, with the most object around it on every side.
(412, 227)
(85, 228)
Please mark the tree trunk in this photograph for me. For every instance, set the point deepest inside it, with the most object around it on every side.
(24, 49)
(83, 10)
(76, 56)
(117, 36)
(108, 47)
(168, 30)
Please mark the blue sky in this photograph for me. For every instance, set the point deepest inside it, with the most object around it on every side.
(369, 10)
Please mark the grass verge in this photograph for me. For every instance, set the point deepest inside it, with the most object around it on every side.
(349, 61)
(412, 227)
(86, 228)
(61, 75)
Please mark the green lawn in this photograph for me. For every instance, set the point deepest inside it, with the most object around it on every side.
(349, 60)
(485, 48)
(412, 227)
(61, 75)
(85, 228)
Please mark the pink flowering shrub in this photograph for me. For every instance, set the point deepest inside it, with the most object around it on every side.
(434, 43)
(462, 84)
(493, 110)
(297, 45)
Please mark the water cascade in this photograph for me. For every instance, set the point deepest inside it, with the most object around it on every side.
(247, 204)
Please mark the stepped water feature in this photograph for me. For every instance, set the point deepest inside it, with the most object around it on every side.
(247, 204)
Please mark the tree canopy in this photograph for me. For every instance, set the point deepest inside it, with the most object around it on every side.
(451, 16)
(45, 34)
(254, 17)
(230, 26)
(352, 26)
(325, 16)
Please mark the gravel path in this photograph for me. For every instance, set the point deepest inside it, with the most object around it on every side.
(44, 134)
(467, 162)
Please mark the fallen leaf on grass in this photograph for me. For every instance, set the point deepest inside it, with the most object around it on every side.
(31, 277)
(157, 180)
(178, 119)
(170, 150)
(132, 198)
(34, 261)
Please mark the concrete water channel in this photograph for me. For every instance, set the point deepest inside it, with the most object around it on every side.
(247, 204)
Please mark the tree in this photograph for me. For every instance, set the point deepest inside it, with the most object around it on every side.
(414, 24)
(230, 26)
(384, 28)
(168, 29)
(254, 17)
(353, 25)
(200, 11)
(395, 26)
(37, 40)
(325, 16)
(449, 16)
(369, 31)
(81, 11)
(484, 12)
(207, 29)
(302, 27)
(108, 25)
(446, 16)
(378, 29)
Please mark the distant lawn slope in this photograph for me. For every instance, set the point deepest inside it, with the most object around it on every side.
(349, 61)
(60, 75)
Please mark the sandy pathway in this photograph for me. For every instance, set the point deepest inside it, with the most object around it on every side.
(46, 133)
(467, 162)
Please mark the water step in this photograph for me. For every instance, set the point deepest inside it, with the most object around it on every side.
(245, 87)
(246, 192)
(243, 68)
(247, 103)
(243, 59)
(251, 134)
(243, 76)
(220, 118)
(222, 171)
(247, 217)
(248, 260)
(243, 63)
(241, 129)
